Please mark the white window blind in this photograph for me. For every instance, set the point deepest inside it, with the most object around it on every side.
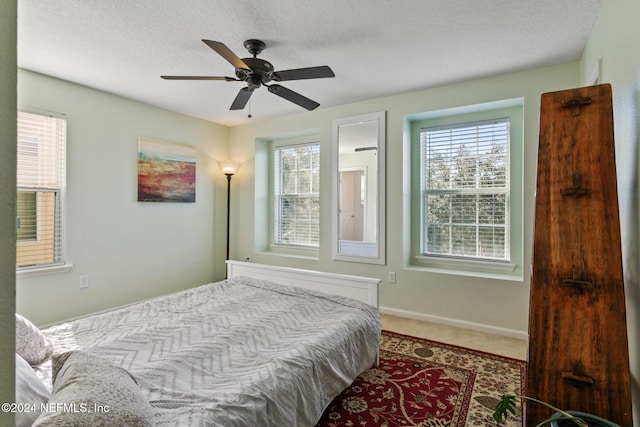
(464, 187)
(297, 195)
(40, 189)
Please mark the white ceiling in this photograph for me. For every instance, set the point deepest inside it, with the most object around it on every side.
(375, 47)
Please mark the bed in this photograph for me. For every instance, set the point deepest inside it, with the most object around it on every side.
(269, 346)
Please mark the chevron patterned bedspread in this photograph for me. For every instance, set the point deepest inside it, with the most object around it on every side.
(241, 352)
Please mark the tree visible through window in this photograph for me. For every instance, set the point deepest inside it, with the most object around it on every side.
(464, 188)
(40, 189)
(297, 195)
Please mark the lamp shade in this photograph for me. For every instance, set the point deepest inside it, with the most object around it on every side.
(229, 167)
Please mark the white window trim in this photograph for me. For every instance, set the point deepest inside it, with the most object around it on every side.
(472, 191)
(24, 272)
(287, 248)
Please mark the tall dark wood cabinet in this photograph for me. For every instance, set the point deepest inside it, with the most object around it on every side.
(578, 351)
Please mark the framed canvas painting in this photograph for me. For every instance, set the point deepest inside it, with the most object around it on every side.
(166, 172)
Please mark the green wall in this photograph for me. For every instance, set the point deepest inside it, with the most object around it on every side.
(499, 306)
(614, 54)
(7, 201)
(129, 250)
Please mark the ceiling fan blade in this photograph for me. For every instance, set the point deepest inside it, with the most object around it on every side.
(304, 73)
(242, 98)
(229, 79)
(227, 54)
(294, 97)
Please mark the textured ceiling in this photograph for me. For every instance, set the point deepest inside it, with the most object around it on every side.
(375, 47)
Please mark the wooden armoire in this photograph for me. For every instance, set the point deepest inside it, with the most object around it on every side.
(578, 352)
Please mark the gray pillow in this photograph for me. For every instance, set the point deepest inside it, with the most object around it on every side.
(31, 344)
(91, 391)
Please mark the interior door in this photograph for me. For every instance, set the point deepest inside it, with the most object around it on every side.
(351, 205)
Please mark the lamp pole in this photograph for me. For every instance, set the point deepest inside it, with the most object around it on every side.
(229, 168)
(228, 175)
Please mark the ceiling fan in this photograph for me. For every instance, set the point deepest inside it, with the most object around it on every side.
(258, 72)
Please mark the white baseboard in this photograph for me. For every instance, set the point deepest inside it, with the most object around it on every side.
(493, 330)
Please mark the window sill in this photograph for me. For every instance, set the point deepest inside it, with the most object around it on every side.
(466, 267)
(43, 271)
(294, 252)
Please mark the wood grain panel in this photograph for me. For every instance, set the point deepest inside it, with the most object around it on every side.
(578, 351)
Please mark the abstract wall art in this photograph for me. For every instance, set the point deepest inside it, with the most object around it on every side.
(166, 172)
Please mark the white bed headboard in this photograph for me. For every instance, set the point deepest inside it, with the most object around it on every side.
(363, 289)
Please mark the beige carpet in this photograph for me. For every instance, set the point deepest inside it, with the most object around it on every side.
(503, 346)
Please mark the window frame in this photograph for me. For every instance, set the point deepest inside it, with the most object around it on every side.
(291, 247)
(462, 189)
(55, 184)
(477, 267)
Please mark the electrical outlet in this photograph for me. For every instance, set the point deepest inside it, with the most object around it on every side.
(392, 277)
(84, 282)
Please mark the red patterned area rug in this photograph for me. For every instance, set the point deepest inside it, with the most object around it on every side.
(425, 383)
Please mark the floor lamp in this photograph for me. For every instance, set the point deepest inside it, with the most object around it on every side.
(229, 168)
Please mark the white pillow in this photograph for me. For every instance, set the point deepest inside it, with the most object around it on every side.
(30, 390)
(31, 344)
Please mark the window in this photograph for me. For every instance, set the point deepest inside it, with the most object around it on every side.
(297, 195)
(40, 190)
(464, 190)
